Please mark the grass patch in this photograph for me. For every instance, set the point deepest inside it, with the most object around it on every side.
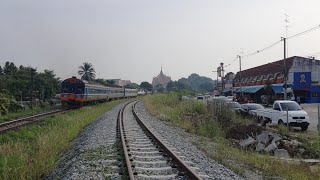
(194, 117)
(32, 152)
(25, 113)
(311, 143)
(283, 130)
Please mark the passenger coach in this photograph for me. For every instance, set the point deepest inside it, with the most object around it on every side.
(76, 92)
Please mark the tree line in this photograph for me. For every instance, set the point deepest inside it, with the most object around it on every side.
(194, 83)
(87, 72)
(27, 83)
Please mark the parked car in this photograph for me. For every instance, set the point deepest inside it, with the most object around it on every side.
(207, 95)
(234, 106)
(200, 97)
(282, 111)
(249, 109)
(230, 98)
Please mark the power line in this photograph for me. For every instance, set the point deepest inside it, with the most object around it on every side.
(290, 37)
(304, 32)
(234, 60)
(261, 50)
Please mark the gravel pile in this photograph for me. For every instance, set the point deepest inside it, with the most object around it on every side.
(182, 142)
(94, 154)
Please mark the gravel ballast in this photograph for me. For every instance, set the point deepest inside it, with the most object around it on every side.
(181, 140)
(95, 153)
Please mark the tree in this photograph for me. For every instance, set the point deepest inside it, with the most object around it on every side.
(9, 68)
(132, 86)
(111, 82)
(1, 71)
(159, 88)
(172, 86)
(266, 99)
(268, 88)
(86, 71)
(146, 86)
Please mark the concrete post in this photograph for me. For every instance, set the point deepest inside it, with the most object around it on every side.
(287, 119)
(319, 120)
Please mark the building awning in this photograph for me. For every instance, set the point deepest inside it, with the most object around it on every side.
(242, 89)
(277, 89)
(226, 91)
(249, 89)
(254, 89)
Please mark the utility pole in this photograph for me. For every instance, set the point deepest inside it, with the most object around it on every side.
(287, 22)
(222, 76)
(240, 75)
(285, 68)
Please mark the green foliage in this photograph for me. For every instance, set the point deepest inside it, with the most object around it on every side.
(111, 82)
(311, 144)
(193, 83)
(283, 130)
(193, 117)
(87, 71)
(268, 88)
(169, 107)
(33, 151)
(132, 86)
(26, 83)
(146, 86)
(8, 104)
(24, 113)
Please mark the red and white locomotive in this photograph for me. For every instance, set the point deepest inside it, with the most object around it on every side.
(76, 92)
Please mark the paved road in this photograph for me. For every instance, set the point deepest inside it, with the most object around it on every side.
(312, 110)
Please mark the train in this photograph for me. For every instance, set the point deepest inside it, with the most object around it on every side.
(77, 92)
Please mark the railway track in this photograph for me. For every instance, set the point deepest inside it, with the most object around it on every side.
(146, 155)
(15, 124)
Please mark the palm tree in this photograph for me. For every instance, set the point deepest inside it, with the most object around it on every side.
(86, 71)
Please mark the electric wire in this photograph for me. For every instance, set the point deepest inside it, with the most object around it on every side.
(290, 37)
(277, 42)
(304, 32)
(261, 50)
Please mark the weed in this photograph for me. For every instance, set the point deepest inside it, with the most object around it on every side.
(283, 130)
(194, 118)
(24, 113)
(33, 151)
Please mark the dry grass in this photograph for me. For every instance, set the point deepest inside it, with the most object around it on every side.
(32, 152)
(169, 108)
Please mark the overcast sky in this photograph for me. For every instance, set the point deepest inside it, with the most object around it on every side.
(132, 39)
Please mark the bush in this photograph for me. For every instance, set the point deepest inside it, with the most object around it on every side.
(8, 104)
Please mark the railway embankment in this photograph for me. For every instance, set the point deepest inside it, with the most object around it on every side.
(210, 135)
(33, 151)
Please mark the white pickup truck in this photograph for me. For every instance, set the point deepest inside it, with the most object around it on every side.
(297, 117)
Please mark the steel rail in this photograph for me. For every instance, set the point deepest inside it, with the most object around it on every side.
(28, 119)
(182, 165)
(124, 146)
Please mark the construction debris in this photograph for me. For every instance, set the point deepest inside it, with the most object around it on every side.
(274, 144)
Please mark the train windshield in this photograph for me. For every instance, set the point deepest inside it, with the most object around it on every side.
(72, 87)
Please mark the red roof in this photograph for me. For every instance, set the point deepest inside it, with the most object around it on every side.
(270, 68)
